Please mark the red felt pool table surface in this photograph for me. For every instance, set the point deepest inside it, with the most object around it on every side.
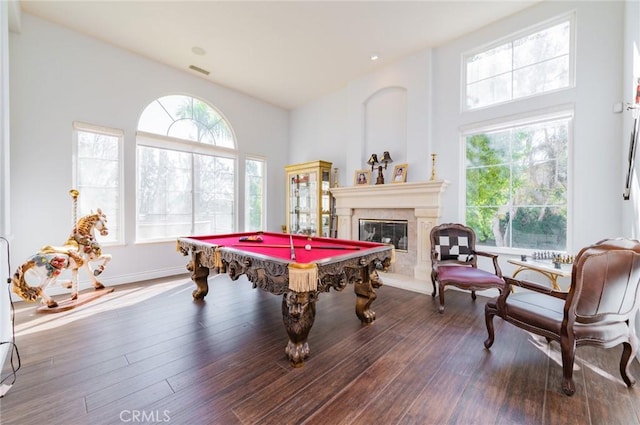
(277, 246)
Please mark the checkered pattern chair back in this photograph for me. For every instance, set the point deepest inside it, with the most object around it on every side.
(453, 242)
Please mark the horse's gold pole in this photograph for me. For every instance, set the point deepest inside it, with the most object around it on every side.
(74, 195)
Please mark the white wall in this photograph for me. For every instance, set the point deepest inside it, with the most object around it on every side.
(318, 132)
(59, 76)
(333, 127)
(5, 227)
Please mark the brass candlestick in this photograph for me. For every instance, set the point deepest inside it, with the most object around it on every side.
(433, 166)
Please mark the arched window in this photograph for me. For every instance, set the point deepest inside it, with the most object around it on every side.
(186, 170)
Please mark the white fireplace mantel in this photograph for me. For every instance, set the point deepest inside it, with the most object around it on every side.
(420, 195)
(424, 198)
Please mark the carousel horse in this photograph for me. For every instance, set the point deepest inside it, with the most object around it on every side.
(79, 250)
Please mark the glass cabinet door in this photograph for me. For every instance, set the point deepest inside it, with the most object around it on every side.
(309, 199)
(303, 208)
(325, 210)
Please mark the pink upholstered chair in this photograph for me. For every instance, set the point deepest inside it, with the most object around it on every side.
(599, 309)
(454, 262)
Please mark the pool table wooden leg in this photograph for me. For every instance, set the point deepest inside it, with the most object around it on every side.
(366, 294)
(199, 275)
(298, 314)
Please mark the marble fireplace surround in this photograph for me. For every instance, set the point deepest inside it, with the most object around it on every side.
(419, 203)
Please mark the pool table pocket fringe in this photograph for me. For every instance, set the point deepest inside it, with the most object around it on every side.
(217, 261)
(303, 277)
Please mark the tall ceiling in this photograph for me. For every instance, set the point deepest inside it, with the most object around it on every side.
(283, 52)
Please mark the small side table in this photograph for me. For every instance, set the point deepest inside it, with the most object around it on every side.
(545, 268)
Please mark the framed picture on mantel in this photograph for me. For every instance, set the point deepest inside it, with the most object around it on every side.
(361, 177)
(400, 173)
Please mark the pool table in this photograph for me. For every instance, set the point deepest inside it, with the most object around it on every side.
(295, 266)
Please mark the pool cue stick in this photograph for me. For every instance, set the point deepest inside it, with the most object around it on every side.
(293, 248)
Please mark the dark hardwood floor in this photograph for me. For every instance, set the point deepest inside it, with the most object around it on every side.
(148, 353)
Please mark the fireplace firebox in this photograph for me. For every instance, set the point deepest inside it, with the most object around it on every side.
(386, 231)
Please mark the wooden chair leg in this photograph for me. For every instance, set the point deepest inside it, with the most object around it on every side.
(473, 295)
(488, 319)
(568, 349)
(441, 306)
(625, 362)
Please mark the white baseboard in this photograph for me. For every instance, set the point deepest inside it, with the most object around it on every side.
(137, 277)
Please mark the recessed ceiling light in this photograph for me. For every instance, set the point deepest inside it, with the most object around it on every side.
(374, 57)
(198, 50)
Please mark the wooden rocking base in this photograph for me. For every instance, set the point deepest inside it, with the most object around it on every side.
(68, 304)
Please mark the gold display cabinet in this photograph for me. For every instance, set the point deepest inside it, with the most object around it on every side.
(309, 204)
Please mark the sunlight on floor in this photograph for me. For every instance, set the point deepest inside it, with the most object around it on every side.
(553, 352)
(120, 298)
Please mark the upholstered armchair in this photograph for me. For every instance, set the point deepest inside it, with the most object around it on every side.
(599, 309)
(454, 261)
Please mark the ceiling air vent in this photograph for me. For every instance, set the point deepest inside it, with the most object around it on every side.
(200, 70)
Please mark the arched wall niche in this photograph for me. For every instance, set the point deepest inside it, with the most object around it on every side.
(385, 123)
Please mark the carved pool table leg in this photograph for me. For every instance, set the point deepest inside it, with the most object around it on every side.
(366, 294)
(199, 275)
(298, 314)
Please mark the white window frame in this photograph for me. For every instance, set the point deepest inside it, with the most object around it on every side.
(179, 145)
(571, 17)
(247, 200)
(119, 218)
(503, 123)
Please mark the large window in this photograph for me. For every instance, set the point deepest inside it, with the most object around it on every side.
(539, 60)
(254, 216)
(516, 182)
(186, 170)
(97, 175)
